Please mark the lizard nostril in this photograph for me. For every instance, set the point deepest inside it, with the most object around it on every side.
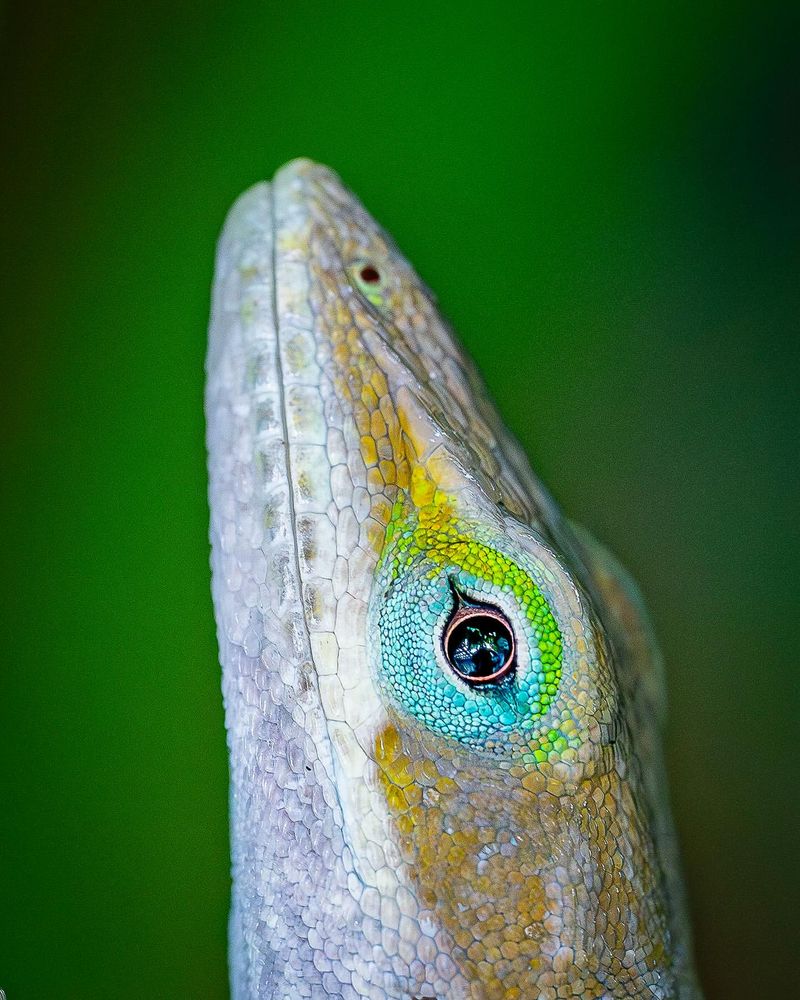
(370, 275)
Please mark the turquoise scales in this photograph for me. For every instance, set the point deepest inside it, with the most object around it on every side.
(431, 560)
(443, 702)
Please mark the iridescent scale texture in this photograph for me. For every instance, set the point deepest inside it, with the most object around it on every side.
(424, 560)
(395, 832)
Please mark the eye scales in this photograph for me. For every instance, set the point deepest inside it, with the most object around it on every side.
(429, 543)
(396, 831)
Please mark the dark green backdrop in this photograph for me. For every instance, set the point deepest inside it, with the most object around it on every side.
(603, 197)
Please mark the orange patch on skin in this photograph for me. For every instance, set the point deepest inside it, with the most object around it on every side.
(498, 869)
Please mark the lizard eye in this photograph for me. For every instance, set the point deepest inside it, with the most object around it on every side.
(479, 644)
(468, 640)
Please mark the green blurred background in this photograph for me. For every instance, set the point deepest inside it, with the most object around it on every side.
(604, 197)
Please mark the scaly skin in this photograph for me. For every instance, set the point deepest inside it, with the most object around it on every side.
(398, 832)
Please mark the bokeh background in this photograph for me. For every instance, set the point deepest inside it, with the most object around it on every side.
(604, 197)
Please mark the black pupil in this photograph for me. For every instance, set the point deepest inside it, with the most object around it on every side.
(479, 647)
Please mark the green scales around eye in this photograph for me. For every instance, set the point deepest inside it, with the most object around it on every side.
(454, 603)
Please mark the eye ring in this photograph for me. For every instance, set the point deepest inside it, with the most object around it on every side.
(456, 634)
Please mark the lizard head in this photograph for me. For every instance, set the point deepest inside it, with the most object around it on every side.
(440, 698)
